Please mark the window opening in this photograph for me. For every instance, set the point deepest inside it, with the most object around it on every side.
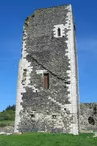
(24, 76)
(59, 32)
(32, 116)
(46, 81)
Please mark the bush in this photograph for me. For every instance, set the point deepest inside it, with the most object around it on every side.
(10, 108)
(3, 124)
(7, 115)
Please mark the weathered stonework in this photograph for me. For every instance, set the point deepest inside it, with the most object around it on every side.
(88, 117)
(7, 129)
(44, 51)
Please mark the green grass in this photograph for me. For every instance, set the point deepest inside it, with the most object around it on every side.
(45, 139)
(6, 123)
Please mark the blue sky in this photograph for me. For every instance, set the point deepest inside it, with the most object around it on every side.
(12, 16)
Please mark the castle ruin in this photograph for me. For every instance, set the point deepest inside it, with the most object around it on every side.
(47, 93)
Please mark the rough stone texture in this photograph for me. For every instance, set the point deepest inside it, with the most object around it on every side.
(8, 129)
(88, 111)
(54, 109)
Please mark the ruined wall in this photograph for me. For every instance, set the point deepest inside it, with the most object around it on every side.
(54, 109)
(88, 117)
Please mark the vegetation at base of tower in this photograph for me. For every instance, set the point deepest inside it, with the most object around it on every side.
(6, 123)
(47, 139)
(7, 116)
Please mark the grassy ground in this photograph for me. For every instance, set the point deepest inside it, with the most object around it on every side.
(44, 139)
(6, 123)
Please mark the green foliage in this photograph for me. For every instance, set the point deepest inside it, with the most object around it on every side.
(10, 107)
(8, 113)
(46, 139)
(6, 123)
(3, 125)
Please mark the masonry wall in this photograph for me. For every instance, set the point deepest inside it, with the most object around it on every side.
(88, 117)
(54, 109)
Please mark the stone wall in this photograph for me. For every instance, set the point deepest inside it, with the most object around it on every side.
(7, 129)
(54, 109)
(88, 117)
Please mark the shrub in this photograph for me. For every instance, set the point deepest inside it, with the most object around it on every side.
(3, 124)
(7, 115)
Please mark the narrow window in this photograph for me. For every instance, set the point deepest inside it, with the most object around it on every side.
(46, 81)
(24, 76)
(59, 32)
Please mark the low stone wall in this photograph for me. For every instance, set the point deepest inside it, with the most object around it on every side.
(7, 129)
(88, 117)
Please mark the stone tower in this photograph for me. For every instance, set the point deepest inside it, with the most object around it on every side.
(47, 93)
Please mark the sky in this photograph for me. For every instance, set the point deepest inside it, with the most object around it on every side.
(12, 17)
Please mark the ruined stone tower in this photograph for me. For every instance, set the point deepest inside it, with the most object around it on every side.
(47, 93)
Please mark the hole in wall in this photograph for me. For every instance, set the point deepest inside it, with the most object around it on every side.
(54, 116)
(91, 121)
(32, 115)
(25, 70)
